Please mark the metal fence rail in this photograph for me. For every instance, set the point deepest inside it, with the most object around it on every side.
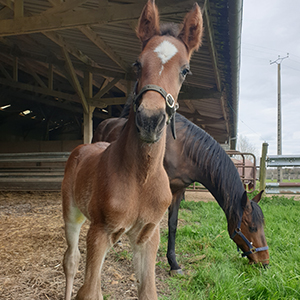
(282, 187)
(283, 161)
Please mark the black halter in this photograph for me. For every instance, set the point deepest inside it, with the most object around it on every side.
(171, 106)
(252, 249)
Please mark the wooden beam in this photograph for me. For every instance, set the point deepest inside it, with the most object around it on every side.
(50, 77)
(15, 68)
(95, 38)
(88, 116)
(224, 110)
(190, 105)
(107, 87)
(75, 80)
(104, 102)
(194, 93)
(31, 71)
(19, 9)
(5, 73)
(8, 3)
(64, 6)
(53, 103)
(5, 13)
(209, 33)
(71, 19)
(39, 90)
(59, 40)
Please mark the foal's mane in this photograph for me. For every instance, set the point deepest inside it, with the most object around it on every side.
(218, 171)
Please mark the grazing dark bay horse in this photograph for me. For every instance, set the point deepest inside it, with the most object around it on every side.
(123, 187)
(196, 157)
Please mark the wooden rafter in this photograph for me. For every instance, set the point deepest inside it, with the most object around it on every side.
(104, 102)
(64, 6)
(71, 19)
(75, 80)
(211, 43)
(107, 87)
(190, 105)
(5, 73)
(88, 32)
(39, 90)
(33, 73)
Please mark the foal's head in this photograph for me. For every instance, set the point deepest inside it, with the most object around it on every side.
(249, 235)
(162, 67)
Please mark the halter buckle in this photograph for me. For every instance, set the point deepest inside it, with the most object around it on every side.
(170, 100)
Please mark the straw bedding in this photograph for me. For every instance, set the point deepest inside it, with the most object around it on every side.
(32, 247)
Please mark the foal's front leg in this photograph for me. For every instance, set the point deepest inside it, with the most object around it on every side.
(97, 247)
(144, 264)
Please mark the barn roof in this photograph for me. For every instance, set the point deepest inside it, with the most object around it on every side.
(47, 48)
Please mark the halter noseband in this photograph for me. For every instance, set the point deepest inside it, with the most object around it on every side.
(252, 249)
(171, 106)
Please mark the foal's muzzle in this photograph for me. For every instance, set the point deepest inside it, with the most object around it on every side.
(150, 127)
(152, 130)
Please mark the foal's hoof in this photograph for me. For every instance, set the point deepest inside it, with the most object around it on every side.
(176, 272)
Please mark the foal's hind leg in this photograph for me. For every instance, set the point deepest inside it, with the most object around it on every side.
(73, 222)
(144, 264)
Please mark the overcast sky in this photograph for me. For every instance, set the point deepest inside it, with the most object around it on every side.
(270, 28)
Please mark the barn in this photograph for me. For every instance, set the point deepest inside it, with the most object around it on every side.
(65, 66)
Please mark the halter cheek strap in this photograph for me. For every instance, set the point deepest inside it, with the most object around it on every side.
(171, 106)
(252, 249)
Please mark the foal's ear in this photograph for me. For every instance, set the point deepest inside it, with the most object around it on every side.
(192, 30)
(257, 198)
(148, 25)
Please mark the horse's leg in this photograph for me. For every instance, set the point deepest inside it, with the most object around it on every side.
(73, 222)
(97, 246)
(144, 259)
(172, 225)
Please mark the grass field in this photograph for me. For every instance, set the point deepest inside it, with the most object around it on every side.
(215, 270)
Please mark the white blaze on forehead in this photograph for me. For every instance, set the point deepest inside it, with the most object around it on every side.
(165, 51)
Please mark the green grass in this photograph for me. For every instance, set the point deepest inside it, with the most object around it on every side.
(215, 270)
(284, 180)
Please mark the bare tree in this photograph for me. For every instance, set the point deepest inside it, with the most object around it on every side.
(244, 145)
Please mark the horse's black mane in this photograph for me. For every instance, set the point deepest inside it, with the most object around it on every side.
(216, 165)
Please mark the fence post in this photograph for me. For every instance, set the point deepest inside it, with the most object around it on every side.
(262, 172)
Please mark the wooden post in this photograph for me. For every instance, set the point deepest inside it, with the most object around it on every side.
(15, 68)
(262, 173)
(50, 77)
(88, 116)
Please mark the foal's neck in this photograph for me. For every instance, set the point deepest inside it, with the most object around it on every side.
(136, 155)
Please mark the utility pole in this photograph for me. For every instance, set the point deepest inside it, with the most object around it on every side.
(278, 61)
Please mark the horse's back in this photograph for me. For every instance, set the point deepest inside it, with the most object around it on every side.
(80, 170)
(109, 130)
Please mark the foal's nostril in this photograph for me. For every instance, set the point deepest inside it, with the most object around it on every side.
(161, 121)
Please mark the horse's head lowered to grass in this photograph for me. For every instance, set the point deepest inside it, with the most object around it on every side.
(162, 67)
(249, 233)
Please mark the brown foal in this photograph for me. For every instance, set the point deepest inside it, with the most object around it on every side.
(123, 187)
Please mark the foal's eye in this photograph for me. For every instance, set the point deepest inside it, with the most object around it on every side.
(137, 67)
(252, 229)
(185, 72)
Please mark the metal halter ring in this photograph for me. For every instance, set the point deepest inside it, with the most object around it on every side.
(170, 100)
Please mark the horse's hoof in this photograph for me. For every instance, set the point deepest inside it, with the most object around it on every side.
(176, 272)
